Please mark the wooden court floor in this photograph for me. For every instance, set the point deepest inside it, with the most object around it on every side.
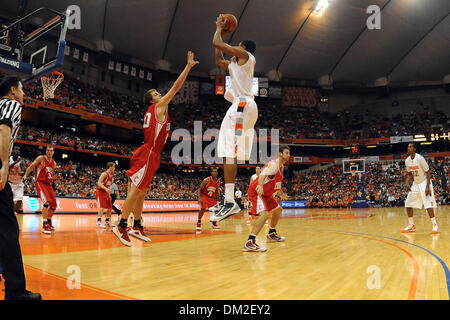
(328, 254)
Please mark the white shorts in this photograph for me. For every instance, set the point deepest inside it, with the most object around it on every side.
(237, 130)
(17, 190)
(416, 197)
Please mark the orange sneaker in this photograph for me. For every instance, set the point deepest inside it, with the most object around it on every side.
(411, 228)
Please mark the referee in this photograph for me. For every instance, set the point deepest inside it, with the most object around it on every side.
(11, 94)
(114, 193)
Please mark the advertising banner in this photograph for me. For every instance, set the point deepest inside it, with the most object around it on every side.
(85, 205)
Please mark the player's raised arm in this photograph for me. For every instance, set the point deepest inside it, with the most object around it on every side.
(221, 62)
(219, 44)
(33, 165)
(165, 100)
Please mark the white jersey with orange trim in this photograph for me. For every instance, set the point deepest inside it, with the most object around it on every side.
(241, 78)
(418, 166)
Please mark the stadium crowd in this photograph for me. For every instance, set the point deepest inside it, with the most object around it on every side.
(326, 188)
(306, 123)
(384, 185)
(70, 139)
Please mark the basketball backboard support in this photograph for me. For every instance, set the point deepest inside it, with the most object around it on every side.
(353, 166)
(38, 52)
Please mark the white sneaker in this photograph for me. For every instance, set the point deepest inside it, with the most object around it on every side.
(138, 232)
(435, 230)
(227, 210)
(100, 225)
(410, 228)
(109, 224)
(216, 207)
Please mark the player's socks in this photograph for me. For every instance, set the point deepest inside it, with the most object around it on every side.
(272, 230)
(433, 220)
(137, 223)
(411, 221)
(252, 237)
(123, 223)
(199, 221)
(229, 192)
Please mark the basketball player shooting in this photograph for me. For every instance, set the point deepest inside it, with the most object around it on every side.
(145, 159)
(237, 128)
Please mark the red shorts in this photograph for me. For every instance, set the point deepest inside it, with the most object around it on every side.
(46, 193)
(207, 202)
(103, 199)
(143, 166)
(261, 203)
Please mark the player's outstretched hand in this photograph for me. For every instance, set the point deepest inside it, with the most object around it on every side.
(190, 59)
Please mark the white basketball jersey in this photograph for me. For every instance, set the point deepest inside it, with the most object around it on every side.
(418, 166)
(241, 78)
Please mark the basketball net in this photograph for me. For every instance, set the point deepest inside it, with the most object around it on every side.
(50, 82)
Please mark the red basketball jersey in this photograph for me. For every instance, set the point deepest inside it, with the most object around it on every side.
(155, 132)
(210, 190)
(273, 182)
(45, 173)
(107, 182)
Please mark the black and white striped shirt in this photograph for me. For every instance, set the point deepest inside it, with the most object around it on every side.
(10, 114)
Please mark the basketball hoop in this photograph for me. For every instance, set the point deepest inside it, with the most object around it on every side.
(50, 82)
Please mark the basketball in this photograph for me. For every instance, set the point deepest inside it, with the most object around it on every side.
(231, 22)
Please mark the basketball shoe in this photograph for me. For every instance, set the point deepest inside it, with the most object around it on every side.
(216, 207)
(435, 230)
(52, 228)
(410, 228)
(122, 235)
(138, 232)
(215, 226)
(198, 227)
(274, 237)
(228, 209)
(46, 229)
(251, 246)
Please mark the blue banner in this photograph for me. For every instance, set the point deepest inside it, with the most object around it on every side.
(293, 204)
(360, 200)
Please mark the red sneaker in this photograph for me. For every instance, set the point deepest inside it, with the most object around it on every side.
(274, 237)
(122, 235)
(251, 246)
(138, 232)
(46, 229)
(198, 227)
(215, 226)
(52, 228)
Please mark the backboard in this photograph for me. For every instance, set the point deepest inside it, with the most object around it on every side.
(33, 45)
(353, 166)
